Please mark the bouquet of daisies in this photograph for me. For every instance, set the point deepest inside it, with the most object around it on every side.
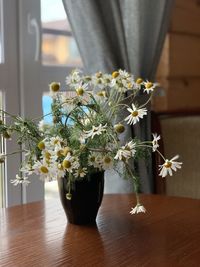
(84, 136)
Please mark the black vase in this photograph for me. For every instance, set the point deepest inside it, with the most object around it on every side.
(87, 195)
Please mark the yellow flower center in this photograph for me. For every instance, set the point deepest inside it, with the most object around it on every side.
(139, 81)
(107, 160)
(55, 141)
(44, 169)
(66, 150)
(66, 164)
(119, 128)
(168, 164)
(92, 159)
(60, 153)
(99, 74)
(115, 74)
(80, 91)
(47, 155)
(41, 145)
(129, 85)
(55, 87)
(149, 85)
(134, 113)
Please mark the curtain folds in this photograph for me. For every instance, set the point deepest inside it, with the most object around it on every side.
(126, 34)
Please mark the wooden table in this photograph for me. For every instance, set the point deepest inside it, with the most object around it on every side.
(168, 234)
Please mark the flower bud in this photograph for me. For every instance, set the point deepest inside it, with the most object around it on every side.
(41, 145)
(139, 80)
(7, 134)
(119, 128)
(54, 86)
(115, 74)
(80, 91)
(69, 196)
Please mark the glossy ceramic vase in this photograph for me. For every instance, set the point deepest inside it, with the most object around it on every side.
(87, 195)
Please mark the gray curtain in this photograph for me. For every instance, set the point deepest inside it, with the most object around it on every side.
(126, 34)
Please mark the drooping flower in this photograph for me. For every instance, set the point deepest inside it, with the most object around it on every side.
(80, 172)
(135, 114)
(95, 131)
(126, 152)
(155, 144)
(138, 208)
(169, 165)
(20, 180)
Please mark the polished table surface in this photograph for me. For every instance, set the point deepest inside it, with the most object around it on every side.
(168, 234)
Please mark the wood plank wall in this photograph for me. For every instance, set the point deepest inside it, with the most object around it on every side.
(179, 67)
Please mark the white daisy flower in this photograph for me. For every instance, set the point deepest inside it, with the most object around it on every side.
(138, 208)
(138, 83)
(149, 86)
(74, 78)
(95, 160)
(126, 152)
(135, 115)
(60, 172)
(81, 172)
(155, 144)
(81, 89)
(20, 180)
(124, 74)
(169, 165)
(56, 140)
(95, 131)
(107, 162)
(70, 163)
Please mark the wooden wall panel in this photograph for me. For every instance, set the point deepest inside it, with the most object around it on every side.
(180, 56)
(184, 55)
(186, 17)
(178, 95)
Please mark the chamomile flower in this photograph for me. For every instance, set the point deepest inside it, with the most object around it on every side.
(107, 162)
(81, 89)
(60, 172)
(20, 180)
(170, 165)
(137, 209)
(138, 83)
(126, 152)
(155, 144)
(95, 160)
(80, 172)
(70, 163)
(149, 87)
(74, 78)
(135, 114)
(96, 130)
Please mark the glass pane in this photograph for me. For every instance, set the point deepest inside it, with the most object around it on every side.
(2, 165)
(59, 50)
(1, 32)
(53, 15)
